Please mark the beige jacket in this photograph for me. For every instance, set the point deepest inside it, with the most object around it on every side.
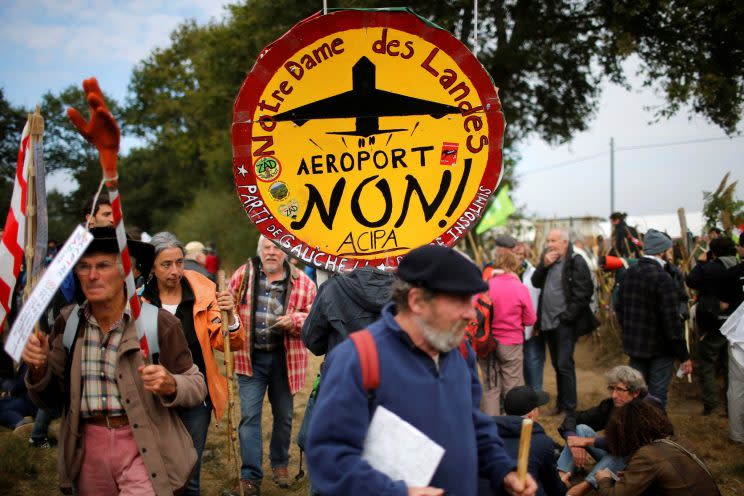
(165, 445)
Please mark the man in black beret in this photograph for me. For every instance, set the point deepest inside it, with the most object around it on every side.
(424, 379)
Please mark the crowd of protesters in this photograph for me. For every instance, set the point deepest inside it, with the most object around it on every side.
(427, 373)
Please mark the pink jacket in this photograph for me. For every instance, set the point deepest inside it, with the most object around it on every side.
(512, 308)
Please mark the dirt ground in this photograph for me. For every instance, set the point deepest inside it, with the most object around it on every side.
(25, 471)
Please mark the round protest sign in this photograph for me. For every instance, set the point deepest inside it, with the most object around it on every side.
(360, 135)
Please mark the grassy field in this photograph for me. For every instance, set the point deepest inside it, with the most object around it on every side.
(26, 471)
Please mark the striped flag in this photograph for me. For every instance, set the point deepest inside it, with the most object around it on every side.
(14, 236)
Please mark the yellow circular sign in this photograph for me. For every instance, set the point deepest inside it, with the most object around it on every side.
(360, 135)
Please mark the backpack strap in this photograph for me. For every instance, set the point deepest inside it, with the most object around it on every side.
(149, 317)
(370, 362)
(71, 327)
(148, 314)
(463, 347)
(368, 359)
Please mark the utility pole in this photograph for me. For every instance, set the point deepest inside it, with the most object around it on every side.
(612, 175)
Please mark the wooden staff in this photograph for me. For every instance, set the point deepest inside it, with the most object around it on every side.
(36, 124)
(232, 450)
(524, 450)
(476, 250)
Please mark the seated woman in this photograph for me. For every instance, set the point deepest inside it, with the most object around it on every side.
(640, 432)
(193, 299)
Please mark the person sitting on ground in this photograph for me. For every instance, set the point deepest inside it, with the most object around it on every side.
(580, 429)
(16, 409)
(639, 432)
(523, 402)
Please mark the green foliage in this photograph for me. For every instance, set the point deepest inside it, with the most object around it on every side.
(218, 217)
(12, 120)
(547, 58)
(721, 204)
(693, 50)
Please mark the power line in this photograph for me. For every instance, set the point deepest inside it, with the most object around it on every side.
(674, 143)
(566, 163)
(624, 148)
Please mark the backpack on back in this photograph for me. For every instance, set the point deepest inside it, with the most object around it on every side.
(478, 331)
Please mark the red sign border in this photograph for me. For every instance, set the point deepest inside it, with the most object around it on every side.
(307, 32)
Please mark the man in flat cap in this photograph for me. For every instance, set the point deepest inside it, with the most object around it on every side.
(120, 431)
(647, 308)
(423, 378)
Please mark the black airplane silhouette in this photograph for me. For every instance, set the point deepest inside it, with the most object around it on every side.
(365, 103)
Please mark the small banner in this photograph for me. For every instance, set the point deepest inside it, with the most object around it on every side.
(42, 294)
(360, 135)
(499, 211)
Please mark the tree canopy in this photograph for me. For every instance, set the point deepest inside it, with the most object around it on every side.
(547, 58)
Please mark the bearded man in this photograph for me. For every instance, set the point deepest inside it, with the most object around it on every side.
(424, 379)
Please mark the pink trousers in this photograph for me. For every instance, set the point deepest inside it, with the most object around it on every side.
(112, 464)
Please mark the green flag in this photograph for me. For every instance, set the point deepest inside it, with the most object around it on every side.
(500, 210)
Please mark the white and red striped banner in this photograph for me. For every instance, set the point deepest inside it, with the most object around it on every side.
(126, 262)
(14, 236)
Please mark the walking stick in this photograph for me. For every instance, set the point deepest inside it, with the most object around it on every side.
(103, 132)
(232, 450)
(523, 455)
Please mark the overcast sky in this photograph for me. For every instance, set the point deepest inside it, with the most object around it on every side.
(48, 45)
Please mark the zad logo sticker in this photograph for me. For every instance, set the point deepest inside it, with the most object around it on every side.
(389, 132)
(267, 169)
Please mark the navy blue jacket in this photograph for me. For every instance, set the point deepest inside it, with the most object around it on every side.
(443, 404)
(541, 464)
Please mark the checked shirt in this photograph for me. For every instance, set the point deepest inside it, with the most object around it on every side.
(300, 295)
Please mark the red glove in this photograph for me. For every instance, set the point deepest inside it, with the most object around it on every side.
(101, 130)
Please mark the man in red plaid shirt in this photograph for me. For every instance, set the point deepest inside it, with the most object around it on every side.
(273, 300)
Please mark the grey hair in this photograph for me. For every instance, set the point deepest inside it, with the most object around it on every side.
(400, 290)
(629, 376)
(164, 240)
(562, 232)
(258, 245)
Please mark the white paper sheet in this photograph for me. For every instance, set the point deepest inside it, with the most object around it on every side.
(42, 294)
(399, 450)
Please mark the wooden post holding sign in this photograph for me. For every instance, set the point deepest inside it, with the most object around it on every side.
(362, 134)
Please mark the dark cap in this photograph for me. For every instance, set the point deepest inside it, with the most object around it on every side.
(506, 241)
(521, 400)
(104, 241)
(655, 242)
(442, 270)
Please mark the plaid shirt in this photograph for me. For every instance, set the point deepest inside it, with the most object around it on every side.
(100, 395)
(647, 311)
(300, 295)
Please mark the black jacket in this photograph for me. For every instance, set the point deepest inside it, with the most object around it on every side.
(541, 464)
(711, 281)
(578, 288)
(648, 310)
(344, 304)
(735, 281)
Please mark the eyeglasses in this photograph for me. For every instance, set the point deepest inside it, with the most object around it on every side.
(618, 389)
(83, 269)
